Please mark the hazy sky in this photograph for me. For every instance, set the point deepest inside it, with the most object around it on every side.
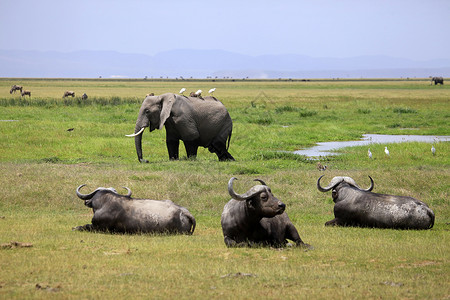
(412, 29)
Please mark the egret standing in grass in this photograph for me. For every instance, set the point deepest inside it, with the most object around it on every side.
(211, 91)
(198, 93)
(386, 151)
(433, 150)
(182, 91)
(369, 154)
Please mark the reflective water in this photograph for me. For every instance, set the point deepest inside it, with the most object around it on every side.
(325, 149)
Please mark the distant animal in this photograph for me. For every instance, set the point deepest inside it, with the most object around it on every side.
(197, 123)
(84, 96)
(69, 93)
(437, 80)
(257, 218)
(386, 151)
(211, 91)
(70, 129)
(26, 93)
(358, 207)
(15, 88)
(198, 93)
(182, 91)
(121, 213)
(433, 150)
(321, 167)
(369, 154)
(150, 94)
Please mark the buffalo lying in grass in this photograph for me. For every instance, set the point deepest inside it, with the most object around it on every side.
(257, 218)
(358, 207)
(121, 213)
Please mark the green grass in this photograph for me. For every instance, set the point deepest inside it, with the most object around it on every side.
(42, 164)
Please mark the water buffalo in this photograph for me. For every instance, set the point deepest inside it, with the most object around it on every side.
(121, 213)
(69, 93)
(15, 88)
(437, 80)
(26, 93)
(257, 218)
(358, 207)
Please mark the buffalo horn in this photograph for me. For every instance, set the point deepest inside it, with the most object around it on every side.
(262, 182)
(335, 181)
(371, 185)
(129, 192)
(137, 133)
(241, 197)
(83, 196)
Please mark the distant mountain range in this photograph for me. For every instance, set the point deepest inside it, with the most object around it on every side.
(209, 63)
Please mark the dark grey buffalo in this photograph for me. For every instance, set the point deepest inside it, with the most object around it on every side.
(257, 218)
(358, 207)
(121, 213)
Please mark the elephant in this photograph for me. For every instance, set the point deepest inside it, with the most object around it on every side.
(195, 121)
(437, 80)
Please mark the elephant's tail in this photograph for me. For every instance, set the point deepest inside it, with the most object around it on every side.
(229, 139)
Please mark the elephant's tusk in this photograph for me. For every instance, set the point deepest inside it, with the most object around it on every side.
(137, 133)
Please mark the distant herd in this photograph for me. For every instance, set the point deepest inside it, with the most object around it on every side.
(254, 218)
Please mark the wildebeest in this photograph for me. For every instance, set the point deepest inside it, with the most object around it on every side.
(26, 93)
(69, 93)
(15, 88)
(257, 218)
(360, 207)
(121, 213)
(437, 80)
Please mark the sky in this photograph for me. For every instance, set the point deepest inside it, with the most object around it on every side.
(418, 30)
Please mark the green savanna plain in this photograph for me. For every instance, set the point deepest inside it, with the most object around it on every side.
(42, 163)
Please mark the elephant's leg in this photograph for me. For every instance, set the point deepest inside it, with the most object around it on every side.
(220, 149)
(191, 148)
(173, 148)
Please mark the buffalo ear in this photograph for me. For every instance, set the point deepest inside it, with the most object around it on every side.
(167, 101)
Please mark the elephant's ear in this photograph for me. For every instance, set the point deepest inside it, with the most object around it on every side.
(167, 101)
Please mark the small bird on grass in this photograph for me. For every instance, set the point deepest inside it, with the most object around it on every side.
(211, 91)
(321, 167)
(182, 91)
(369, 154)
(386, 151)
(433, 150)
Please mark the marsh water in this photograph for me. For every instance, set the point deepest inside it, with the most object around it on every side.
(326, 148)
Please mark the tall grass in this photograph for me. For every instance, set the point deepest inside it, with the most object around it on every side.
(42, 163)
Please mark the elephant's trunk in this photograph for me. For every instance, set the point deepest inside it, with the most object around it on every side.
(138, 141)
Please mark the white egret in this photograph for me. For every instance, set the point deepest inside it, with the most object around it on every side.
(369, 153)
(433, 150)
(198, 93)
(212, 91)
(182, 91)
(386, 151)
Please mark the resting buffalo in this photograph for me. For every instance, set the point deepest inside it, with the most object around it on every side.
(121, 213)
(358, 207)
(257, 218)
